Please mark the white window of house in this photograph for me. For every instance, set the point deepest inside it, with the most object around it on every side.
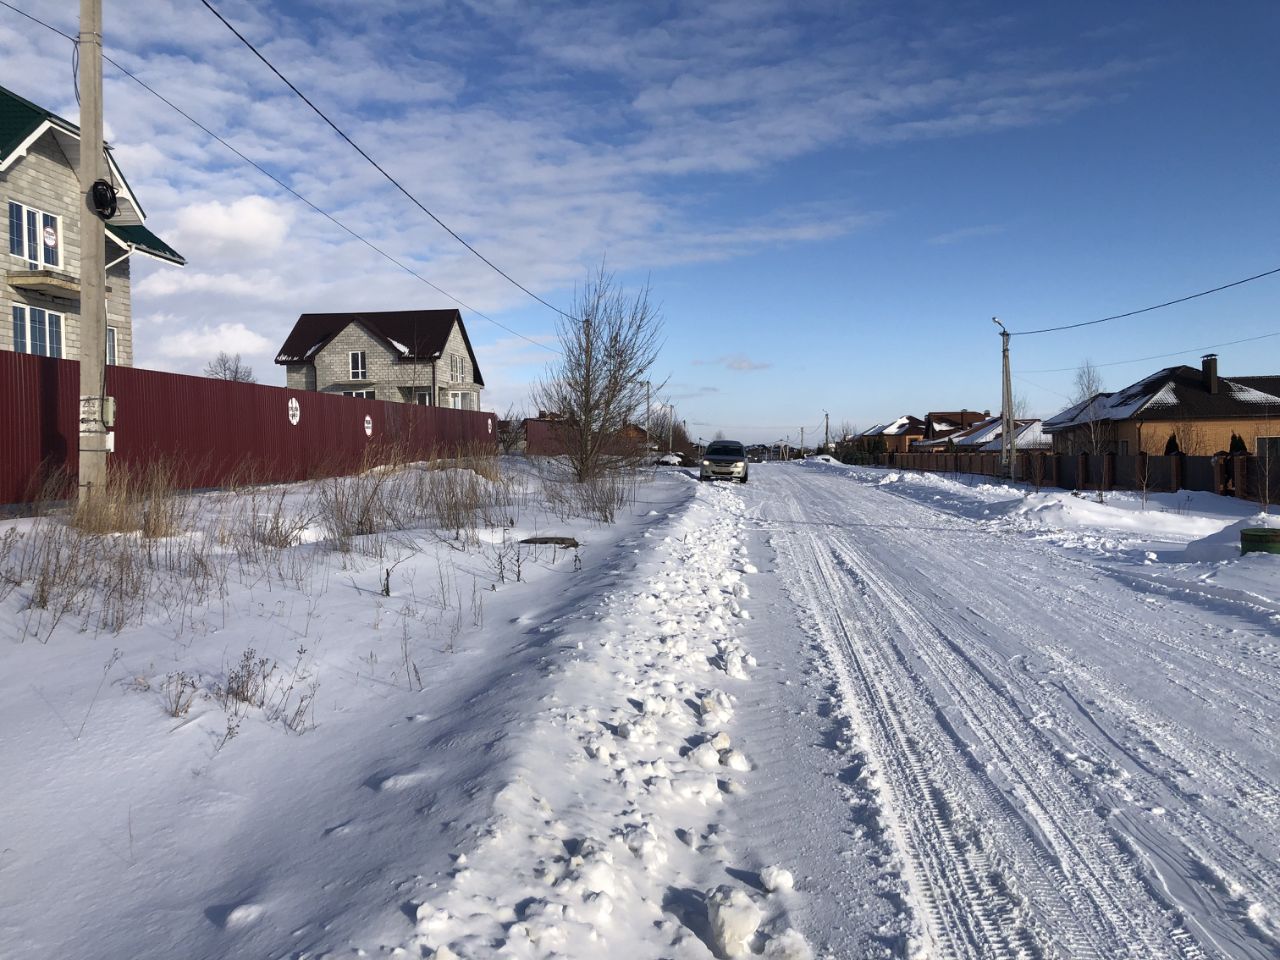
(359, 367)
(423, 398)
(37, 331)
(453, 366)
(35, 236)
(455, 401)
(361, 394)
(111, 347)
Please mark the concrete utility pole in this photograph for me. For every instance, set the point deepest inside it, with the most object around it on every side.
(1007, 451)
(802, 441)
(826, 431)
(93, 282)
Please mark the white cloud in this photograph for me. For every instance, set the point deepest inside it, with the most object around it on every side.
(204, 343)
(246, 229)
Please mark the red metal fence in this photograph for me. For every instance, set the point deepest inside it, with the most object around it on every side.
(210, 431)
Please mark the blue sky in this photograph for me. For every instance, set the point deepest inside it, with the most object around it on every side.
(829, 200)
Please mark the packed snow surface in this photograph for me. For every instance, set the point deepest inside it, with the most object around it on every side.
(838, 712)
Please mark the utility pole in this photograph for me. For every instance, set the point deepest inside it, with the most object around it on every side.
(647, 438)
(93, 305)
(1007, 451)
(671, 425)
(826, 432)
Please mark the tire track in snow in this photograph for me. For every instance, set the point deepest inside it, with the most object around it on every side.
(1085, 888)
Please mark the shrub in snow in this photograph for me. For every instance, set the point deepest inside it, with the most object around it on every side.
(734, 919)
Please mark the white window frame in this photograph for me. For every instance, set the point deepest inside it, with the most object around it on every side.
(54, 323)
(423, 398)
(360, 394)
(455, 399)
(359, 364)
(41, 262)
(113, 346)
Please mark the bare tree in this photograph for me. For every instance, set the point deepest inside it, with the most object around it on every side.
(598, 386)
(511, 429)
(1093, 428)
(226, 367)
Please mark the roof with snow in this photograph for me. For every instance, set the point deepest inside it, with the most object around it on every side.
(411, 334)
(1180, 392)
(903, 425)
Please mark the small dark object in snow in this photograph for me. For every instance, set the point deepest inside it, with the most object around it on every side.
(558, 541)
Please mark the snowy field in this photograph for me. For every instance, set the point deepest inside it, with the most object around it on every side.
(835, 712)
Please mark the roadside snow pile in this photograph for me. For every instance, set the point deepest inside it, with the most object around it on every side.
(610, 819)
(1225, 543)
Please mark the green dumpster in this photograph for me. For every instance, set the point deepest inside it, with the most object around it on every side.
(1260, 540)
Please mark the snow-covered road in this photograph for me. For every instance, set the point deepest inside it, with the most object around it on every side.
(836, 712)
(1072, 757)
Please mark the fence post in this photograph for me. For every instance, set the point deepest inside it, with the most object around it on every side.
(1108, 471)
(1175, 473)
(1239, 475)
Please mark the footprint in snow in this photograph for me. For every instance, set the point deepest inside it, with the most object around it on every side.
(235, 916)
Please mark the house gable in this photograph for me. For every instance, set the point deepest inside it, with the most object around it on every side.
(411, 355)
(39, 153)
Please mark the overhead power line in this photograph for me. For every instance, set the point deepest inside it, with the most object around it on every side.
(1158, 306)
(284, 186)
(1161, 356)
(392, 180)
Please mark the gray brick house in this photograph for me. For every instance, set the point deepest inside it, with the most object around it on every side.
(40, 267)
(407, 356)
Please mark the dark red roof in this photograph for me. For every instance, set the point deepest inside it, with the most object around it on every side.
(412, 334)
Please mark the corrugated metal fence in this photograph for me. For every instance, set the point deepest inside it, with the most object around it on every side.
(210, 432)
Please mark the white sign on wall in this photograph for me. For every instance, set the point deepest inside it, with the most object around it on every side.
(295, 411)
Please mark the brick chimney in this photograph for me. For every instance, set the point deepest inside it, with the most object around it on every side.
(1209, 371)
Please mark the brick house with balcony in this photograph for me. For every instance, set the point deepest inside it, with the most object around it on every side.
(405, 356)
(40, 196)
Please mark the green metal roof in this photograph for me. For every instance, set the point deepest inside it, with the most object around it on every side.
(146, 242)
(20, 118)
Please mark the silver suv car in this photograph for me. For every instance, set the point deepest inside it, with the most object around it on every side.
(724, 459)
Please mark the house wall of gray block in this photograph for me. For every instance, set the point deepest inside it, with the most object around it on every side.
(46, 180)
(389, 375)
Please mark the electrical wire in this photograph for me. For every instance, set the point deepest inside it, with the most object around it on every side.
(392, 180)
(1160, 356)
(280, 183)
(1158, 306)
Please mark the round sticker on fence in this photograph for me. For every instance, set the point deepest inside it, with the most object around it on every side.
(490, 423)
(368, 426)
(295, 411)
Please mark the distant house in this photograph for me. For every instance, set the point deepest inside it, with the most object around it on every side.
(40, 274)
(407, 356)
(939, 424)
(986, 436)
(895, 437)
(1193, 411)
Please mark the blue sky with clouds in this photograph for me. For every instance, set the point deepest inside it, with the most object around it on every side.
(829, 200)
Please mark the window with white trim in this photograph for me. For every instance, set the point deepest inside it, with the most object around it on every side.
(111, 347)
(423, 398)
(455, 401)
(359, 365)
(35, 236)
(37, 331)
(359, 394)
